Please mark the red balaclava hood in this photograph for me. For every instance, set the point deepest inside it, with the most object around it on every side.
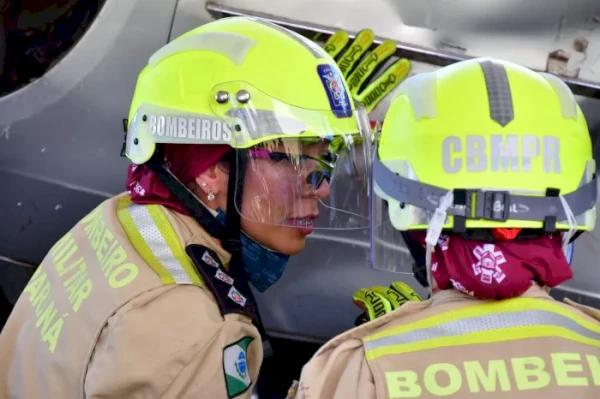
(499, 269)
(185, 161)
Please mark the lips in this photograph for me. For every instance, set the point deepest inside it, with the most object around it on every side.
(304, 224)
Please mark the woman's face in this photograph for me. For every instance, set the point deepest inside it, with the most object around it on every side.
(280, 202)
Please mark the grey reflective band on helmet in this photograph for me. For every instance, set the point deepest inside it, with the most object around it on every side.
(484, 324)
(315, 50)
(261, 123)
(498, 90)
(489, 205)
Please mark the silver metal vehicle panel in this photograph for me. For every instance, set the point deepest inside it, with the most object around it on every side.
(60, 136)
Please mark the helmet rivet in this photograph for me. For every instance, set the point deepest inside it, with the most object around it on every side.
(222, 97)
(243, 96)
(135, 141)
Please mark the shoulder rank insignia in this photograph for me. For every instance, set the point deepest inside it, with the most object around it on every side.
(230, 297)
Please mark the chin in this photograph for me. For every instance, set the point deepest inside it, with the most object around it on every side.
(290, 243)
(285, 240)
(296, 247)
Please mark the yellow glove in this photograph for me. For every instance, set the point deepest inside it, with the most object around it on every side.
(378, 301)
(358, 76)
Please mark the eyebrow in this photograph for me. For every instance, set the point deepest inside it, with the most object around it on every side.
(260, 152)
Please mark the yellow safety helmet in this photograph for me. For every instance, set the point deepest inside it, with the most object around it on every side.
(480, 144)
(246, 82)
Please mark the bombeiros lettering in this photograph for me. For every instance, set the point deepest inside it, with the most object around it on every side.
(500, 153)
(110, 254)
(558, 369)
(189, 128)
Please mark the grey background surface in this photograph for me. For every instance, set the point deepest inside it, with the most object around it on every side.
(60, 138)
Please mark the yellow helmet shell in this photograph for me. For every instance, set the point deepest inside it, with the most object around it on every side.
(231, 58)
(490, 125)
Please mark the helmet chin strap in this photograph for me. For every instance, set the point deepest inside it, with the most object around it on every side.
(572, 223)
(229, 235)
(235, 192)
(186, 197)
(434, 230)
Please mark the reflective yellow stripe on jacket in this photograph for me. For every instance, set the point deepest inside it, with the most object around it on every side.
(153, 237)
(513, 319)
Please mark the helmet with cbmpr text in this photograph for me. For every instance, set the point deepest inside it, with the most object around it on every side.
(479, 145)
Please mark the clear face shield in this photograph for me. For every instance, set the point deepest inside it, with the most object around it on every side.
(391, 250)
(303, 168)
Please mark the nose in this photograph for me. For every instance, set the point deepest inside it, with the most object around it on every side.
(323, 191)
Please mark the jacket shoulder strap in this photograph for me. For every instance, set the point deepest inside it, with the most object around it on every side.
(232, 296)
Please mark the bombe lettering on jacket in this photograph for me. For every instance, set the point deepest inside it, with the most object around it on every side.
(189, 128)
(500, 153)
(472, 378)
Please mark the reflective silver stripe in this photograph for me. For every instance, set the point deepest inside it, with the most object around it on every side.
(498, 89)
(483, 324)
(157, 243)
(261, 123)
(522, 207)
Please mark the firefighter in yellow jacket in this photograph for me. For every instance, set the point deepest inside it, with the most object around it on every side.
(237, 131)
(484, 170)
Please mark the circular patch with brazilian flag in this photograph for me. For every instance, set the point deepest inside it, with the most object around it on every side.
(235, 367)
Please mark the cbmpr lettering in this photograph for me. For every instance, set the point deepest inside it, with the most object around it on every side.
(500, 153)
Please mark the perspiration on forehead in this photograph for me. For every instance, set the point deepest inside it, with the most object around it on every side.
(500, 153)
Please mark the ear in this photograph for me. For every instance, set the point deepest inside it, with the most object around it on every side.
(208, 180)
(213, 178)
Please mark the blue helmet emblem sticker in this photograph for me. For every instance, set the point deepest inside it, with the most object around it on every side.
(339, 100)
